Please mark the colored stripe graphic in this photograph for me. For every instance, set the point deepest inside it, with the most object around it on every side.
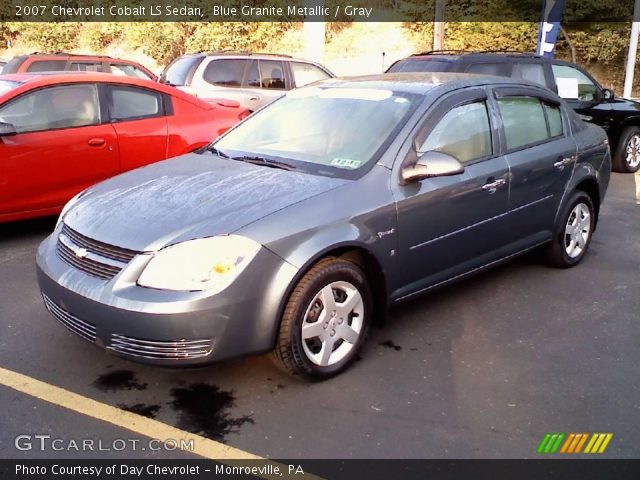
(574, 442)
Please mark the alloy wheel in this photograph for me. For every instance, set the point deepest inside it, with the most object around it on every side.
(577, 230)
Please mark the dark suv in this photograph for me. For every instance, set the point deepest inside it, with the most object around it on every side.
(67, 62)
(619, 117)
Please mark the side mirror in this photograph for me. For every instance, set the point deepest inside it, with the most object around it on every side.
(607, 94)
(7, 129)
(432, 164)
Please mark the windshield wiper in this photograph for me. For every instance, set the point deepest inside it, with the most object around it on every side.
(256, 160)
(215, 151)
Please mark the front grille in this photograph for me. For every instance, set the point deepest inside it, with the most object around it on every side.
(161, 350)
(91, 256)
(85, 329)
(113, 252)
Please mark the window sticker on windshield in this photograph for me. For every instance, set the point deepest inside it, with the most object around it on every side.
(345, 163)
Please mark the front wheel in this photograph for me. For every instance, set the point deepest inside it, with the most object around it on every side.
(573, 231)
(627, 155)
(325, 320)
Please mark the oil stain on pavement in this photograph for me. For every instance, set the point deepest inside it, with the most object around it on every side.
(149, 411)
(204, 410)
(390, 344)
(118, 380)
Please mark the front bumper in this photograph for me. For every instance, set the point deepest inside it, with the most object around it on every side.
(163, 327)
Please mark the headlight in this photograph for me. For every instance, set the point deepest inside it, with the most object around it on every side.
(210, 264)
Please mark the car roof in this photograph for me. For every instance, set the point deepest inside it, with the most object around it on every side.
(424, 82)
(456, 54)
(44, 79)
(243, 54)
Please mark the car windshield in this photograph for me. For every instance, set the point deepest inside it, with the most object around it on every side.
(177, 73)
(423, 65)
(330, 131)
(6, 86)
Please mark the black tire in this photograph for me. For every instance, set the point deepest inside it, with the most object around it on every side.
(628, 146)
(559, 253)
(292, 353)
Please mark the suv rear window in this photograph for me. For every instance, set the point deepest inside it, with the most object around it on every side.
(47, 66)
(179, 71)
(225, 73)
(422, 65)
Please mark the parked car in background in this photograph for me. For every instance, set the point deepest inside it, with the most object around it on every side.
(60, 133)
(618, 116)
(253, 79)
(66, 62)
(298, 226)
(3, 62)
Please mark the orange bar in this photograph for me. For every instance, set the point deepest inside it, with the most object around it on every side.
(584, 439)
(574, 443)
(567, 442)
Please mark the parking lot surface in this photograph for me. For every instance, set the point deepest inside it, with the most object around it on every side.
(481, 369)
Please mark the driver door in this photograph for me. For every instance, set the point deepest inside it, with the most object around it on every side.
(449, 225)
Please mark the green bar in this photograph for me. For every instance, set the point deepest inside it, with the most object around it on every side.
(543, 443)
(547, 449)
(555, 447)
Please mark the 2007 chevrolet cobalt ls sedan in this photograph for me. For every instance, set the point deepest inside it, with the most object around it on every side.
(299, 226)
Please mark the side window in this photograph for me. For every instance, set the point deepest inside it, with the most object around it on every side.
(272, 74)
(253, 76)
(130, 103)
(306, 73)
(534, 72)
(85, 67)
(554, 119)
(499, 69)
(54, 108)
(524, 121)
(463, 132)
(47, 66)
(573, 84)
(225, 73)
(128, 71)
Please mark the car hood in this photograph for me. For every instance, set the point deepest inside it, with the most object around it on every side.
(187, 197)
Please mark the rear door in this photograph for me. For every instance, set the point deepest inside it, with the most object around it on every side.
(62, 147)
(138, 116)
(541, 154)
(265, 82)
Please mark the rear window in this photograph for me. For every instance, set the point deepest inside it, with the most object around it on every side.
(180, 71)
(13, 65)
(533, 72)
(500, 69)
(422, 65)
(47, 66)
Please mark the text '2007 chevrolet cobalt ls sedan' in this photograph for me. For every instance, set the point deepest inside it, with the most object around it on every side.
(297, 227)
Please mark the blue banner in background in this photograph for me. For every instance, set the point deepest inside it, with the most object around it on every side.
(549, 27)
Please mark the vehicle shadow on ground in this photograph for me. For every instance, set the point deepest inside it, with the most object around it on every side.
(26, 229)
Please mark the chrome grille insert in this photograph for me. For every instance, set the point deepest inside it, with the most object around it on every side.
(85, 329)
(161, 350)
(91, 256)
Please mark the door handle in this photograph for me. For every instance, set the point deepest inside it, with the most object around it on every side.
(96, 142)
(254, 98)
(495, 185)
(564, 161)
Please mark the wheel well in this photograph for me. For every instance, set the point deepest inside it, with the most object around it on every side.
(590, 187)
(373, 272)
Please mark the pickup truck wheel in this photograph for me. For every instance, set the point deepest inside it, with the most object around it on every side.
(325, 321)
(573, 232)
(627, 155)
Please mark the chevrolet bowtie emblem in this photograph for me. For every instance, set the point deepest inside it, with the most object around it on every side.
(81, 252)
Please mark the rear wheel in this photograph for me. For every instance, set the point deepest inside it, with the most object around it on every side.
(573, 232)
(325, 320)
(627, 156)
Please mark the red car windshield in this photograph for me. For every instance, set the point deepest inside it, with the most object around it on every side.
(7, 85)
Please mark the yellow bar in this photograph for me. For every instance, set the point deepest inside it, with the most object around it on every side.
(567, 442)
(591, 442)
(605, 443)
(584, 439)
(598, 442)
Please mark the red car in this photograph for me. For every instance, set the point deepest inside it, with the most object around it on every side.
(61, 133)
